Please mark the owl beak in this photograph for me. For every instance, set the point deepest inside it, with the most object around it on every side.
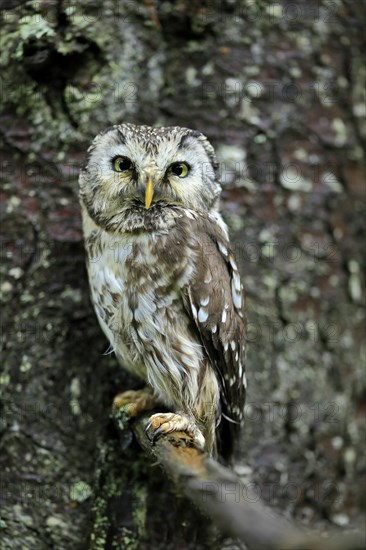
(149, 192)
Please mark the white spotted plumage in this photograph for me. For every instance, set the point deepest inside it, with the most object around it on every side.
(202, 315)
(164, 281)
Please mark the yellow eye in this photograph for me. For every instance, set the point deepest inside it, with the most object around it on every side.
(122, 164)
(180, 169)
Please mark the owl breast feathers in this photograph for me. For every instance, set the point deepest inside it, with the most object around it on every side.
(164, 281)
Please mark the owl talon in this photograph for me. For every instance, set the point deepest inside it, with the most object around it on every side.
(147, 432)
(166, 423)
(131, 403)
(158, 433)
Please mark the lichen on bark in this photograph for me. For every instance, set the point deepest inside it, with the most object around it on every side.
(278, 89)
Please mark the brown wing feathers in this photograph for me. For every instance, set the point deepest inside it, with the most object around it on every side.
(217, 302)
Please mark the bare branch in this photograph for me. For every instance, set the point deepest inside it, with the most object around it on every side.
(223, 497)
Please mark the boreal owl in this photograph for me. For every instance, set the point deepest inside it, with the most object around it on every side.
(164, 282)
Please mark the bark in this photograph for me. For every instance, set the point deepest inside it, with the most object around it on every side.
(278, 89)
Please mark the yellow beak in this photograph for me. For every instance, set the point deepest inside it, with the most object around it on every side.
(149, 192)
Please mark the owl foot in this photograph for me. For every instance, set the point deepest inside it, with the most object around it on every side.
(132, 402)
(166, 423)
(126, 406)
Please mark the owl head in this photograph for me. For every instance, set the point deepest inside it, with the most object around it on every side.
(138, 176)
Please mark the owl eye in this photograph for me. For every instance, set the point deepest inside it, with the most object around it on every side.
(122, 164)
(180, 169)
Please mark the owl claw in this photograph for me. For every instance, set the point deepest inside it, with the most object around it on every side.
(158, 433)
(147, 432)
(166, 423)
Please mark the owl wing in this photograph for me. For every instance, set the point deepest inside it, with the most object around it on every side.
(216, 302)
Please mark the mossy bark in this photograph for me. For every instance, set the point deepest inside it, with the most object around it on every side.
(278, 90)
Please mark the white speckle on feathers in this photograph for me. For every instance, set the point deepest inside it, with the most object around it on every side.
(202, 315)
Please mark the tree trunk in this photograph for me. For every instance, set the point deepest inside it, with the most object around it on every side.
(278, 89)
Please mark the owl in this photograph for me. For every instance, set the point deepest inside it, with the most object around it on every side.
(164, 281)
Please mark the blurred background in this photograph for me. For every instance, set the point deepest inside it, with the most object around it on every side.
(278, 88)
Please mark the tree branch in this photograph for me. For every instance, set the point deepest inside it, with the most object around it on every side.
(224, 498)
